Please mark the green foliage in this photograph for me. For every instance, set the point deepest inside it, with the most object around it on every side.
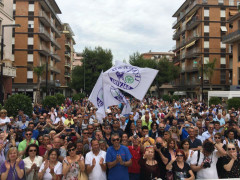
(94, 61)
(233, 103)
(18, 102)
(176, 97)
(166, 97)
(49, 102)
(39, 70)
(78, 97)
(214, 101)
(167, 70)
(60, 98)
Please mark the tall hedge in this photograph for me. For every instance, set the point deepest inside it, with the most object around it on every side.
(233, 103)
(18, 102)
(78, 97)
(60, 98)
(214, 101)
(49, 102)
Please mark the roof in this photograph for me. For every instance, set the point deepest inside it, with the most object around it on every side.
(159, 53)
(55, 6)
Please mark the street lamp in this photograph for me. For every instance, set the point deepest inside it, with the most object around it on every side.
(2, 46)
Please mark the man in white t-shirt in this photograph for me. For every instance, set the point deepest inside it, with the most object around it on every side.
(4, 120)
(205, 166)
(96, 162)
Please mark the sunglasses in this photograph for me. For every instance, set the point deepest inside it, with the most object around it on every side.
(28, 134)
(179, 155)
(85, 133)
(217, 138)
(116, 140)
(71, 150)
(33, 150)
(229, 149)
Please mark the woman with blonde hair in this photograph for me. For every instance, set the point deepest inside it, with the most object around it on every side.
(13, 168)
(4, 120)
(172, 146)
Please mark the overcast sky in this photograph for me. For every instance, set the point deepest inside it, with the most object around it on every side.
(124, 26)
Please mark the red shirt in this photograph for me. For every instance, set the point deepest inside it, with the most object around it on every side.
(136, 156)
(42, 150)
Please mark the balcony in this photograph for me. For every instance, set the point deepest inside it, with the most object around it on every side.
(192, 69)
(56, 57)
(44, 50)
(183, 55)
(51, 83)
(9, 71)
(54, 69)
(67, 54)
(67, 75)
(193, 37)
(193, 52)
(231, 37)
(57, 45)
(193, 23)
(68, 44)
(67, 65)
(176, 35)
(44, 34)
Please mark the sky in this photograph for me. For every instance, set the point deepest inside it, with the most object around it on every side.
(124, 26)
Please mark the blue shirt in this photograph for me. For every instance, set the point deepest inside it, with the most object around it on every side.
(118, 172)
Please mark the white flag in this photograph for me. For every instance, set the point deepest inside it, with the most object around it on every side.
(131, 79)
(96, 96)
(113, 96)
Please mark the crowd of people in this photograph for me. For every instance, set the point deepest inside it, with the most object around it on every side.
(176, 140)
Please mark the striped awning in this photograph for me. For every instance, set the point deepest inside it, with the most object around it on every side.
(190, 44)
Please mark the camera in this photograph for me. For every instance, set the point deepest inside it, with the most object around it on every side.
(206, 165)
(135, 136)
(158, 145)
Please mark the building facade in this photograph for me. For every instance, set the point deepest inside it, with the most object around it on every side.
(8, 71)
(233, 39)
(35, 44)
(199, 28)
(67, 55)
(77, 60)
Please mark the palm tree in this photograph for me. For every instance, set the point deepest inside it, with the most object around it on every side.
(39, 70)
(208, 71)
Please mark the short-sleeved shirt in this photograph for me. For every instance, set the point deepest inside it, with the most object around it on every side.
(179, 173)
(22, 145)
(12, 174)
(67, 122)
(47, 175)
(147, 143)
(118, 172)
(235, 170)
(97, 172)
(5, 120)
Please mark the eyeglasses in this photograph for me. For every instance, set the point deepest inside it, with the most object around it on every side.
(161, 127)
(116, 140)
(217, 138)
(229, 149)
(186, 144)
(33, 150)
(85, 133)
(28, 134)
(73, 149)
(179, 155)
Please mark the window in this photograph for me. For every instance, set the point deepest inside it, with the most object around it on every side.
(220, 1)
(206, 12)
(30, 24)
(206, 60)
(14, 6)
(223, 60)
(30, 58)
(30, 75)
(13, 40)
(206, 29)
(222, 45)
(30, 41)
(206, 44)
(222, 14)
(231, 2)
(31, 7)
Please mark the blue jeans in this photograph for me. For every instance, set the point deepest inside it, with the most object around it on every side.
(133, 176)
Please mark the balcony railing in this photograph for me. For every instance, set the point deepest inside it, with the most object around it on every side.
(55, 43)
(44, 34)
(194, 36)
(66, 74)
(231, 37)
(53, 83)
(9, 71)
(54, 69)
(191, 68)
(45, 49)
(176, 35)
(194, 21)
(67, 64)
(193, 52)
(56, 57)
(67, 54)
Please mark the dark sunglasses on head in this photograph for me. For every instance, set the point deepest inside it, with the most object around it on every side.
(33, 150)
(116, 139)
(73, 149)
(229, 149)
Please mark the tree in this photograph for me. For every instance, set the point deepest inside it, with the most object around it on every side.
(208, 70)
(233, 103)
(49, 102)
(60, 98)
(167, 70)
(39, 70)
(94, 61)
(215, 101)
(18, 102)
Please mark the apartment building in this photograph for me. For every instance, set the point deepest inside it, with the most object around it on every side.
(77, 60)
(35, 44)
(67, 55)
(159, 55)
(233, 38)
(199, 28)
(7, 71)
